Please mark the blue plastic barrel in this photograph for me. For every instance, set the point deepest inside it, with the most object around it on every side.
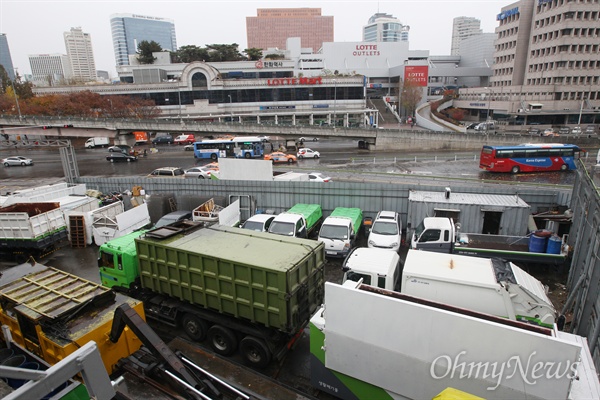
(537, 244)
(554, 245)
(17, 383)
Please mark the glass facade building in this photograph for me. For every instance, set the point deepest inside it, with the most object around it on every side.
(5, 59)
(385, 28)
(128, 30)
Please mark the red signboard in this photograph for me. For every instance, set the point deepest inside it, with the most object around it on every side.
(417, 74)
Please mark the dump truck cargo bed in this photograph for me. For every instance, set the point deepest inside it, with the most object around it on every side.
(270, 280)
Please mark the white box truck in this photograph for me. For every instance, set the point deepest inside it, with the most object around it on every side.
(97, 142)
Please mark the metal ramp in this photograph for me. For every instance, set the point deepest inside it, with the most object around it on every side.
(69, 163)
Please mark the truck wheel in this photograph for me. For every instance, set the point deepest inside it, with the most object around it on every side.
(194, 327)
(222, 340)
(255, 352)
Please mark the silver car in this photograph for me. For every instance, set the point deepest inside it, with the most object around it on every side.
(16, 160)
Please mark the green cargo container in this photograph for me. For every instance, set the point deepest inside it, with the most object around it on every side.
(312, 213)
(353, 214)
(273, 281)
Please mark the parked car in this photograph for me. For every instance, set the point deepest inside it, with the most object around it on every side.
(550, 132)
(174, 216)
(16, 160)
(565, 130)
(167, 172)
(198, 172)
(163, 140)
(121, 148)
(318, 177)
(533, 131)
(590, 129)
(184, 139)
(386, 231)
(279, 157)
(307, 153)
(117, 157)
(258, 222)
(576, 130)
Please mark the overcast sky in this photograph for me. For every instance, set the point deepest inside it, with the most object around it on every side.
(37, 26)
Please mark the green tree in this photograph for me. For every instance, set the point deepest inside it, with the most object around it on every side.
(145, 50)
(224, 52)
(254, 54)
(188, 54)
(273, 56)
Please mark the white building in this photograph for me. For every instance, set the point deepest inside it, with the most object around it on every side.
(462, 28)
(385, 28)
(81, 55)
(49, 69)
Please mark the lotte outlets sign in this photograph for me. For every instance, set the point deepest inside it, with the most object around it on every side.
(418, 74)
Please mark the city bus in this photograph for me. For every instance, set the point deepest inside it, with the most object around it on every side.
(238, 147)
(529, 157)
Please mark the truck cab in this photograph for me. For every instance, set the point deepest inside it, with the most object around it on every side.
(339, 231)
(288, 224)
(376, 267)
(434, 234)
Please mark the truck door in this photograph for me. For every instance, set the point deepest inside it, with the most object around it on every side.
(301, 229)
(431, 240)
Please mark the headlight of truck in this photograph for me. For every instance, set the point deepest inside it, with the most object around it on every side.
(395, 244)
(372, 242)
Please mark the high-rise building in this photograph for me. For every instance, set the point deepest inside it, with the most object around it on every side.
(385, 28)
(462, 28)
(5, 59)
(273, 26)
(81, 56)
(49, 69)
(128, 30)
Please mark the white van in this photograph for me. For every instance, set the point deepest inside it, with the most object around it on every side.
(386, 231)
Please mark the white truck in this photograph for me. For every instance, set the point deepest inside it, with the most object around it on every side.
(441, 234)
(302, 220)
(97, 142)
(370, 343)
(492, 286)
(340, 230)
(291, 176)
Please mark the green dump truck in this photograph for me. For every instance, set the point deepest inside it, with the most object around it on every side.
(235, 287)
(302, 220)
(340, 230)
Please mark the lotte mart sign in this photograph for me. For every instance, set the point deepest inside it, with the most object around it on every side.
(419, 74)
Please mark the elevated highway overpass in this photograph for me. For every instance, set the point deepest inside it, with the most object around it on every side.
(14, 129)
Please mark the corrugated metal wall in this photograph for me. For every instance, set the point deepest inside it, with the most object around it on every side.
(584, 276)
(279, 196)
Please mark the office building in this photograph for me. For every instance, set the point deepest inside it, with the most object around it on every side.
(462, 28)
(385, 28)
(128, 30)
(5, 59)
(546, 66)
(273, 26)
(81, 56)
(50, 69)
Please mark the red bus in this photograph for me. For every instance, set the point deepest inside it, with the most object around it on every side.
(530, 157)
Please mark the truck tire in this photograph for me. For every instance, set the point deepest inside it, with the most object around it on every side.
(222, 340)
(194, 327)
(255, 352)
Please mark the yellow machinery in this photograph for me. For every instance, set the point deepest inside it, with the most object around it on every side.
(53, 313)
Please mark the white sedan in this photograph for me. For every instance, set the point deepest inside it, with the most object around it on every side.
(198, 172)
(16, 160)
(307, 153)
(318, 177)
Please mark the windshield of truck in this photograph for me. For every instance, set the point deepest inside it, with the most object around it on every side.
(334, 232)
(385, 228)
(355, 276)
(253, 226)
(419, 229)
(282, 228)
(106, 260)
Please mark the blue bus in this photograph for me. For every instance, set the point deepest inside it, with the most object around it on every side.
(238, 147)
